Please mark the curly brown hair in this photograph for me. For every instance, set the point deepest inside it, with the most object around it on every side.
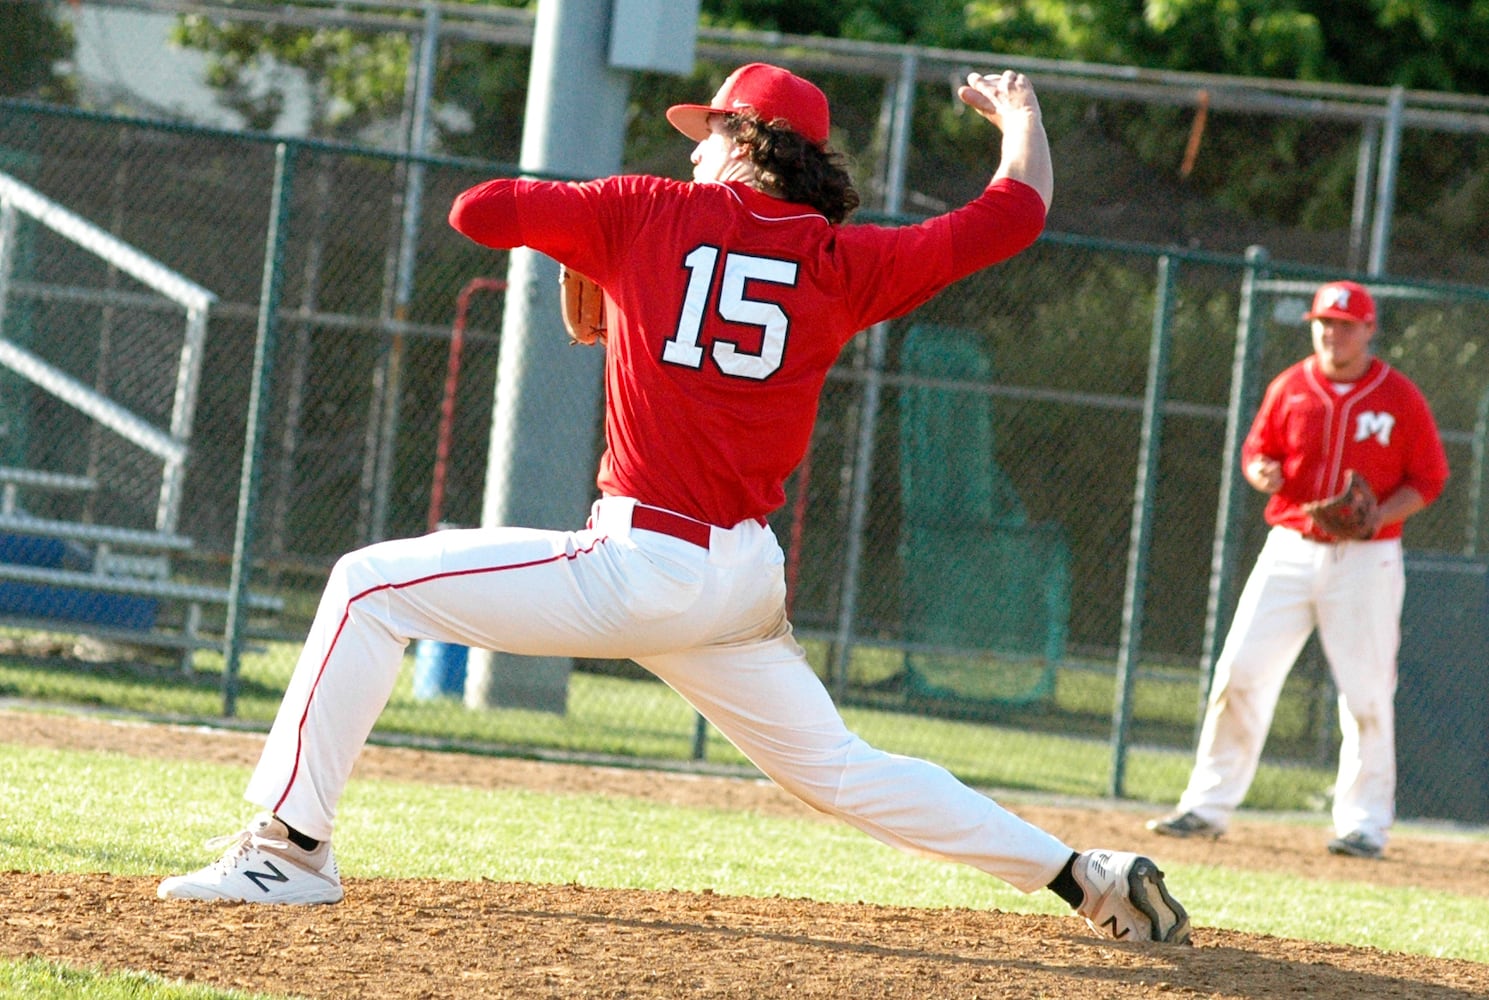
(792, 167)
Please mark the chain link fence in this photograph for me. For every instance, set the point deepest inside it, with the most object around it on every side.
(1006, 549)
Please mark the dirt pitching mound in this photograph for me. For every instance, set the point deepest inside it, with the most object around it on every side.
(419, 938)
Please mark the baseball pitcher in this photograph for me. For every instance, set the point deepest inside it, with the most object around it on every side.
(725, 301)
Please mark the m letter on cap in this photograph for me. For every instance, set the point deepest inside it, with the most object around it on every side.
(1334, 297)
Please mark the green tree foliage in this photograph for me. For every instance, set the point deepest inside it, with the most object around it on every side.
(354, 77)
(1297, 173)
(493, 81)
(33, 42)
(1302, 173)
(1420, 44)
(931, 22)
(357, 79)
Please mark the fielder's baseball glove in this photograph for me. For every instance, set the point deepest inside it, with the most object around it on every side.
(583, 307)
(1349, 514)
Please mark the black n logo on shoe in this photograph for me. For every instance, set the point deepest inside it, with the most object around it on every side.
(272, 875)
(1110, 923)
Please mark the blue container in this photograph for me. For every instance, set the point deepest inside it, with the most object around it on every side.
(439, 669)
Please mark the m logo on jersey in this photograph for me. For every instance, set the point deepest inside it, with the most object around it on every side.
(1376, 425)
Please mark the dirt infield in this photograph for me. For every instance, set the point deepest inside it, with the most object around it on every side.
(408, 939)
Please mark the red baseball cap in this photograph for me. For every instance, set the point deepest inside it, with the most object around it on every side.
(1342, 300)
(768, 90)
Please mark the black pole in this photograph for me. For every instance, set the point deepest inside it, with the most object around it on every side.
(258, 405)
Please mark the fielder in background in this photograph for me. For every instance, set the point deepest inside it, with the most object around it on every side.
(727, 299)
(1332, 561)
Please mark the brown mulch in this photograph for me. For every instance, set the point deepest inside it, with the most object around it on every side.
(417, 938)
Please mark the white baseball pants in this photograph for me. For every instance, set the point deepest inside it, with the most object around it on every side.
(1352, 593)
(710, 622)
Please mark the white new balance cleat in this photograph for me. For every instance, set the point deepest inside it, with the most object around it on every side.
(1127, 900)
(261, 865)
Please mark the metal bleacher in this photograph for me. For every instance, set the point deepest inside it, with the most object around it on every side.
(65, 569)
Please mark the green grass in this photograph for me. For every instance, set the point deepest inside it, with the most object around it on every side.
(394, 829)
(38, 980)
(1063, 747)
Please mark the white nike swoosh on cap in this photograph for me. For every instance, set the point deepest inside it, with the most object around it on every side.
(741, 104)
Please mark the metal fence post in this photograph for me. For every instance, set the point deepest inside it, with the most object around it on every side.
(387, 411)
(868, 424)
(1232, 486)
(1476, 475)
(1385, 182)
(258, 409)
(1149, 446)
(8, 254)
(1364, 185)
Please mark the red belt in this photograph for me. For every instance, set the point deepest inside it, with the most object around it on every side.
(665, 522)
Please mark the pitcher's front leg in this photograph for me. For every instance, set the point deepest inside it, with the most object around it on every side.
(342, 680)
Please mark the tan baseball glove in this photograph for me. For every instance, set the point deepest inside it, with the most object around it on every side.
(1352, 513)
(583, 305)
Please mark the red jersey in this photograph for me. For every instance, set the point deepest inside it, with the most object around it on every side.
(725, 309)
(1381, 427)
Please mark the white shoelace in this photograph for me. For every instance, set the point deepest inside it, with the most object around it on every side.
(235, 847)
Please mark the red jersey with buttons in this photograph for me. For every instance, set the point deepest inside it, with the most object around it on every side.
(1381, 427)
(725, 310)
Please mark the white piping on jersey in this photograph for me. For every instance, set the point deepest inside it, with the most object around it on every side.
(1333, 470)
(766, 218)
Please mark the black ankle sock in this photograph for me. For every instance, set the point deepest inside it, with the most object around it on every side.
(299, 839)
(1066, 887)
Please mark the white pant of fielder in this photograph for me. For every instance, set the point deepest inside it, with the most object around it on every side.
(709, 622)
(1352, 593)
